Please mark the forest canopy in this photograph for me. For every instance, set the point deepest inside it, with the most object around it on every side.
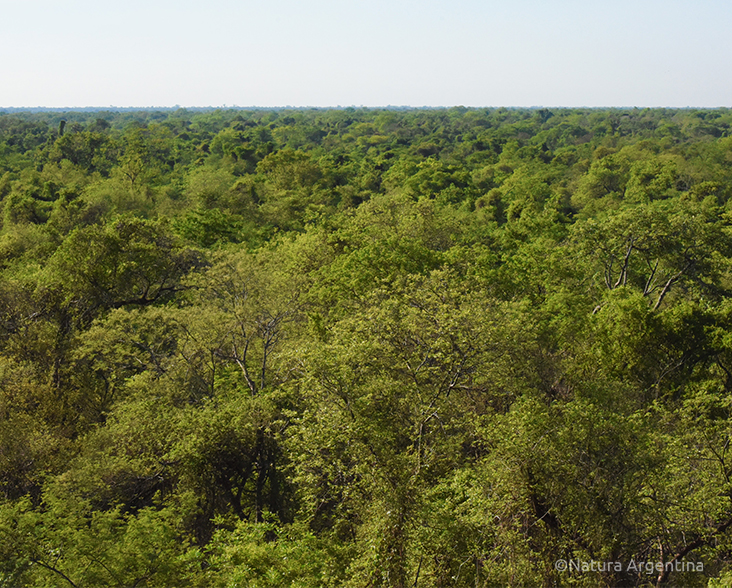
(366, 348)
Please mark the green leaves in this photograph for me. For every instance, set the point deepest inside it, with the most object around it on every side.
(419, 348)
(128, 261)
(266, 555)
(77, 547)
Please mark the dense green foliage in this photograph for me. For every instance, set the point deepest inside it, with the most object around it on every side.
(365, 348)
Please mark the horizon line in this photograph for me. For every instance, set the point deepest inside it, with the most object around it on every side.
(352, 106)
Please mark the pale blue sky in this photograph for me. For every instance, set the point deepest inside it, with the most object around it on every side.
(398, 52)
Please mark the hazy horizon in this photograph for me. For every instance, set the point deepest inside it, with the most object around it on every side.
(336, 107)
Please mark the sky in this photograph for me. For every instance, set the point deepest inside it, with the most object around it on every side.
(550, 53)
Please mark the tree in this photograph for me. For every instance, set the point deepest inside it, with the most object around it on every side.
(127, 262)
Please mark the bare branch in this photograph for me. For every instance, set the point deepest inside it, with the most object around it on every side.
(672, 280)
(650, 287)
(623, 277)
